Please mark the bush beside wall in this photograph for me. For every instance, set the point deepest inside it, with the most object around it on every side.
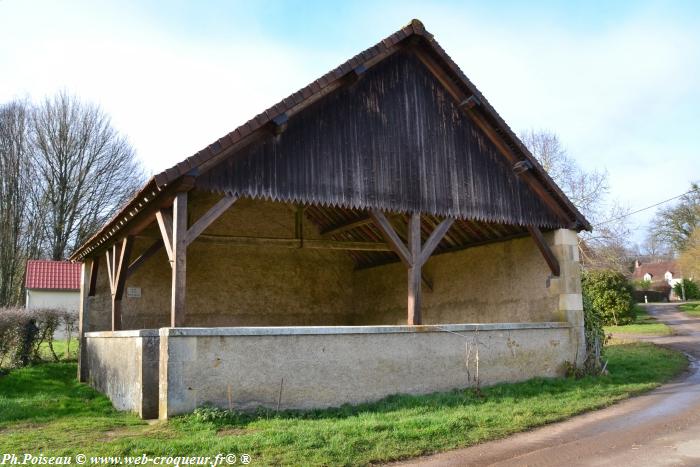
(23, 332)
(610, 294)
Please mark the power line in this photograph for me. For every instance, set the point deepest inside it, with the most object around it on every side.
(644, 209)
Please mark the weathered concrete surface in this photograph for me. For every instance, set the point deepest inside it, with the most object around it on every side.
(124, 366)
(660, 428)
(304, 371)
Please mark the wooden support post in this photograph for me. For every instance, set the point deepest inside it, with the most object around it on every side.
(119, 268)
(179, 261)
(84, 317)
(176, 238)
(414, 271)
(549, 257)
(94, 268)
(414, 256)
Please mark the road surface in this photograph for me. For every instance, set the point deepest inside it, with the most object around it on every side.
(660, 428)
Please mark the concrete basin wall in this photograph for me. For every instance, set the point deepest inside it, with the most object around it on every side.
(315, 367)
(124, 366)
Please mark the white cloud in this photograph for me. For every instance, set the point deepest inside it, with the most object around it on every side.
(621, 95)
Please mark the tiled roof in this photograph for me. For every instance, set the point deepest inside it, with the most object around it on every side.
(297, 101)
(54, 275)
(657, 269)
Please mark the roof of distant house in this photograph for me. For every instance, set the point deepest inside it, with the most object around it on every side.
(52, 275)
(656, 269)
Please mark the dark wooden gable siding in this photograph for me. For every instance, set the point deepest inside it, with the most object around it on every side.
(394, 140)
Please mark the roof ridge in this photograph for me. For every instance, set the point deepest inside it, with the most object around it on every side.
(208, 156)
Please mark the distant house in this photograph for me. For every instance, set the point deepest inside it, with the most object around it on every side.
(663, 275)
(53, 284)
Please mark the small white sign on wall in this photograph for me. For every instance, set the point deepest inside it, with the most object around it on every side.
(133, 292)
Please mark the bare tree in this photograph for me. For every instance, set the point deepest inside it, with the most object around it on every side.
(587, 190)
(654, 249)
(18, 240)
(84, 167)
(674, 225)
(607, 245)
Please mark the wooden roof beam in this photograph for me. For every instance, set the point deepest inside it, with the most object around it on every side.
(347, 226)
(542, 245)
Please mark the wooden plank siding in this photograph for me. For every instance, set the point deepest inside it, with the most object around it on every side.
(395, 141)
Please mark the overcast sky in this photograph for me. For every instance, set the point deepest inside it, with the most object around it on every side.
(617, 81)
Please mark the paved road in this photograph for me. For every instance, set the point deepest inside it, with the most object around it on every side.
(660, 428)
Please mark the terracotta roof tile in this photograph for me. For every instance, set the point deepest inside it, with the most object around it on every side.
(53, 275)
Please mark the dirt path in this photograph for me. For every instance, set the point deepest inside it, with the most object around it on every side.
(660, 428)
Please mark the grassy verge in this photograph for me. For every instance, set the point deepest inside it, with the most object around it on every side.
(643, 324)
(43, 409)
(692, 308)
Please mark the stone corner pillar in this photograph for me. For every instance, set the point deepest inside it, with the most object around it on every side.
(564, 245)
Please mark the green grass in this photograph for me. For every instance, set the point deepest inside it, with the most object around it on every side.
(44, 409)
(63, 351)
(643, 324)
(692, 308)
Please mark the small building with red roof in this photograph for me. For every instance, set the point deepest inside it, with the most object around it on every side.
(52, 284)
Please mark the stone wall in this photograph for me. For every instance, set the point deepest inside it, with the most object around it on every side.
(304, 368)
(124, 366)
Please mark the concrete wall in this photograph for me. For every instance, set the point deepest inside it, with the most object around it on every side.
(267, 286)
(64, 299)
(124, 366)
(304, 368)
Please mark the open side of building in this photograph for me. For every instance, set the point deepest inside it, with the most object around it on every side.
(380, 231)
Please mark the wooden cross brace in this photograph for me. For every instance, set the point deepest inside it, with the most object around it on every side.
(414, 255)
(177, 237)
(116, 272)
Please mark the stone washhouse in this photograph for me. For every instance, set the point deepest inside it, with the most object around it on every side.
(369, 235)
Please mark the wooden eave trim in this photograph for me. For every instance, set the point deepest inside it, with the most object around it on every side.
(133, 219)
(473, 103)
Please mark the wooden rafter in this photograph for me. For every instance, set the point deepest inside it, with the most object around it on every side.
(296, 243)
(148, 252)
(210, 216)
(542, 245)
(471, 106)
(347, 226)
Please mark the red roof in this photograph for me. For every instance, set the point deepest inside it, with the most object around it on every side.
(54, 275)
(657, 270)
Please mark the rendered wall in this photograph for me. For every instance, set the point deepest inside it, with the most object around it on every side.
(502, 282)
(64, 299)
(237, 285)
(271, 286)
(124, 366)
(304, 368)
